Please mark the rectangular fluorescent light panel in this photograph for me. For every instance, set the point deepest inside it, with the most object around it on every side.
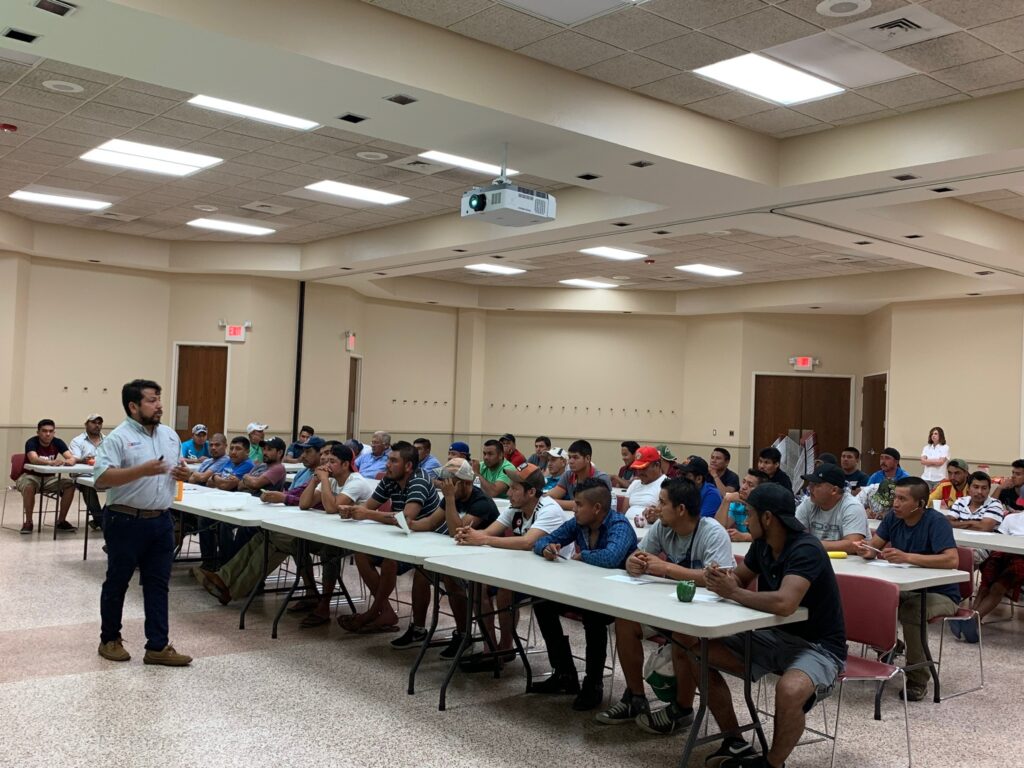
(704, 269)
(81, 203)
(231, 226)
(840, 60)
(614, 253)
(568, 12)
(146, 157)
(769, 79)
(581, 283)
(356, 193)
(256, 113)
(495, 269)
(465, 162)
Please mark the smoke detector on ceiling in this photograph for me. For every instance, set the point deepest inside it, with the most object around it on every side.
(839, 8)
(62, 86)
(372, 156)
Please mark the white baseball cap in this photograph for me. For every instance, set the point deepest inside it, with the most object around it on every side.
(558, 453)
(255, 427)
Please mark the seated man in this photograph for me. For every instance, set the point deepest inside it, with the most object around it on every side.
(539, 457)
(690, 543)
(218, 445)
(696, 471)
(256, 432)
(579, 468)
(830, 513)
(1002, 575)
(977, 511)
(849, 462)
(460, 450)
(889, 467)
(47, 449)
(270, 473)
(1011, 488)
(557, 462)
(603, 538)
(529, 516)
(643, 492)
(953, 487)
(768, 461)
(335, 485)
(668, 461)
(239, 465)
(512, 454)
(428, 464)
(313, 455)
(793, 571)
(411, 494)
(726, 481)
(915, 534)
(195, 450)
(495, 471)
(83, 451)
(295, 449)
(626, 472)
(375, 463)
(732, 514)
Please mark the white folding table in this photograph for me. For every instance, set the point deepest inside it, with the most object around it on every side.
(71, 470)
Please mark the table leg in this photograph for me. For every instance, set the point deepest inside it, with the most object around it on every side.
(85, 544)
(472, 596)
(435, 583)
(256, 587)
(702, 707)
(756, 721)
(301, 553)
(519, 647)
(924, 644)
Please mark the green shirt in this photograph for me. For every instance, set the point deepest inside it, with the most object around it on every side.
(498, 475)
(255, 453)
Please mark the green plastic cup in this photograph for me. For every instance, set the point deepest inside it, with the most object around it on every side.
(685, 590)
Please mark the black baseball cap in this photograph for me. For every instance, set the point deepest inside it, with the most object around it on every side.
(507, 438)
(694, 465)
(774, 498)
(827, 473)
(892, 452)
(274, 442)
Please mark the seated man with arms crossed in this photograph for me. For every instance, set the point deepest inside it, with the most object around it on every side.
(376, 461)
(270, 473)
(530, 516)
(413, 495)
(916, 535)
(239, 465)
(1001, 576)
(690, 542)
(218, 460)
(831, 513)
(793, 571)
(1010, 489)
(643, 492)
(602, 538)
(732, 514)
(580, 468)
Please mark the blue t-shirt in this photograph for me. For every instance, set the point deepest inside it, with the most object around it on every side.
(738, 513)
(879, 476)
(931, 536)
(238, 470)
(710, 500)
(189, 450)
(213, 465)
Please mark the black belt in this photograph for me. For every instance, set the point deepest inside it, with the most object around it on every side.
(121, 509)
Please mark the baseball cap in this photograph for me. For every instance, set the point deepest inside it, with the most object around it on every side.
(459, 447)
(827, 458)
(645, 455)
(891, 452)
(199, 429)
(507, 437)
(255, 426)
(827, 473)
(558, 453)
(94, 417)
(274, 442)
(457, 469)
(313, 442)
(694, 465)
(666, 453)
(772, 497)
(960, 463)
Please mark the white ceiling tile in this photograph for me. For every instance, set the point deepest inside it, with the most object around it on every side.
(982, 74)
(10, 71)
(992, 90)
(944, 52)
(157, 139)
(177, 128)
(1006, 35)
(33, 97)
(691, 51)
(505, 27)
(630, 29)
(698, 14)
(973, 13)
(235, 141)
(93, 128)
(839, 60)
(839, 107)
(37, 77)
(776, 120)
(208, 117)
(906, 90)
(293, 153)
(803, 131)
(762, 29)
(13, 112)
(82, 73)
(266, 162)
(155, 90)
(320, 142)
(570, 50)
(807, 10)
(138, 102)
(729, 106)
(682, 89)
(83, 141)
(439, 12)
(126, 118)
(933, 102)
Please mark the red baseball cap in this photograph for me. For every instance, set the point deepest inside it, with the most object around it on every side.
(645, 454)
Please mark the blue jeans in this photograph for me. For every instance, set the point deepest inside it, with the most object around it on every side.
(146, 544)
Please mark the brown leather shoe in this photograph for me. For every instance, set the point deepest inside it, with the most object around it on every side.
(213, 584)
(114, 651)
(168, 657)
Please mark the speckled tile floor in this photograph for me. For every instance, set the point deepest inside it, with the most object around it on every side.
(324, 697)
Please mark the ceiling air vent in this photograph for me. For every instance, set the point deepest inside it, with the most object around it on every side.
(56, 7)
(268, 208)
(16, 34)
(110, 215)
(896, 29)
(401, 99)
(897, 25)
(349, 117)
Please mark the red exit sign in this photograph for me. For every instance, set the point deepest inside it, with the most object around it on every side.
(234, 333)
(802, 363)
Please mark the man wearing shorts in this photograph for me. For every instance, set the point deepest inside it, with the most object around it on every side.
(792, 571)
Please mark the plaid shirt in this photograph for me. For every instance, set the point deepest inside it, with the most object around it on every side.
(616, 541)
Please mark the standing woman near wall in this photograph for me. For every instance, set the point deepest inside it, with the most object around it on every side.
(934, 457)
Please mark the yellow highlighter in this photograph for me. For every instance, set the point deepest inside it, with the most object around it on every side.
(838, 555)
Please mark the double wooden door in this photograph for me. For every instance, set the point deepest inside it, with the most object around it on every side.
(794, 405)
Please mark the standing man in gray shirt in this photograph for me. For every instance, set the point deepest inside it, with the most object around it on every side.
(138, 465)
(830, 513)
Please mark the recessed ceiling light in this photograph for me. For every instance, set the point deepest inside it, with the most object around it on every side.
(985, 272)
(230, 226)
(718, 232)
(622, 223)
(94, 261)
(401, 99)
(350, 117)
(704, 269)
(19, 34)
(974, 294)
(769, 79)
(620, 278)
(662, 232)
(356, 193)
(495, 269)
(465, 162)
(618, 254)
(642, 164)
(205, 208)
(940, 190)
(862, 242)
(913, 237)
(56, 7)
(255, 113)
(906, 177)
(372, 156)
(80, 203)
(840, 8)
(431, 302)
(458, 250)
(814, 307)
(62, 86)
(345, 269)
(588, 176)
(577, 282)
(145, 157)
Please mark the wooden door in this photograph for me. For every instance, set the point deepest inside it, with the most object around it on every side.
(776, 410)
(354, 375)
(201, 389)
(873, 421)
(784, 404)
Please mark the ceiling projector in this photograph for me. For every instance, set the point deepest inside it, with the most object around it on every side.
(507, 204)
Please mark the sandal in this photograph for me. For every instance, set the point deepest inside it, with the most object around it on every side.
(349, 623)
(303, 606)
(314, 620)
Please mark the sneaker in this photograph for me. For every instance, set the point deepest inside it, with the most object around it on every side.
(969, 629)
(113, 650)
(65, 527)
(664, 721)
(625, 710)
(168, 657)
(412, 637)
(449, 651)
(26, 528)
(732, 749)
(94, 525)
(486, 662)
(915, 692)
(590, 695)
(559, 682)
